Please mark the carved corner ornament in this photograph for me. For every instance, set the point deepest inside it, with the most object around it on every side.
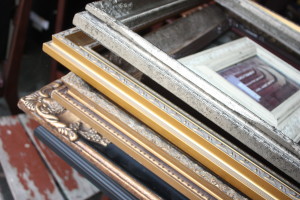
(90, 134)
(48, 110)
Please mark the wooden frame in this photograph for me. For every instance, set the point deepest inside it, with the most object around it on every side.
(63, 124)
(187, 134)
(46, 107)
(137, 15)
(207, 63)
(95, 175)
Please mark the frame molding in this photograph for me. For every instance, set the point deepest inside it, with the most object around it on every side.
(255, 133)
(157, 161)
(59, 121)
(206, 63)
(166, 120)
(282, 29)
(96, 176)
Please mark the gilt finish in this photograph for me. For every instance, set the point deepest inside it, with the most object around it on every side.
(48, 109)
(152, 158)
(97, 101)
(63, 124)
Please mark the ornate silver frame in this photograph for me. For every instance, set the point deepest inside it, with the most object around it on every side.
(258, 135)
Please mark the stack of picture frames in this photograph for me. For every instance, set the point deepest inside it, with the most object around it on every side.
(205, 95)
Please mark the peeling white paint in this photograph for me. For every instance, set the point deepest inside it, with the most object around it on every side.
(85, 188)
(36, 193)
(85, 185)
(12, 176)
(8, 121)
(17, 189)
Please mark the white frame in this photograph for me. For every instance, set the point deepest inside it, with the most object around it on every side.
(206, 63)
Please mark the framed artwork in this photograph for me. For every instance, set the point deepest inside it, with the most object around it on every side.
(252, 76)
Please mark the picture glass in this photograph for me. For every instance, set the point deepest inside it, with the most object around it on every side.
(260, 81)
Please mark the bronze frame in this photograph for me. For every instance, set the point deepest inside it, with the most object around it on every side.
(60, 122)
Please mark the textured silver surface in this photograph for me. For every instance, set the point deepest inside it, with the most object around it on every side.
(136, 14)
(218, 107)
(83, 88)
(174, 39)
(273, 26)
(186, 41)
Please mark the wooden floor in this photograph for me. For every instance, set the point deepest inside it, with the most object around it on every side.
(32, 170)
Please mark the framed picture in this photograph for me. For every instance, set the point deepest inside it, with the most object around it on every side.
(188, 134)
(254, 77)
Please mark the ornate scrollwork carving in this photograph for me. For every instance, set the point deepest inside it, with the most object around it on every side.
(46, 108)
(90, 134)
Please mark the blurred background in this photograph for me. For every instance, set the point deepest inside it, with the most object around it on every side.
(24, 26)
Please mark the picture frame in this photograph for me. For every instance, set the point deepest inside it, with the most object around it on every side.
(206, 64)
(242, 124)
(264, 19)
(75, 113)
(256, 129)
(73, 132)
(187, 133)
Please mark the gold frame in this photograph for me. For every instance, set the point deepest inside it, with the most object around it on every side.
(62, 123)
(146, 153)
(167, 121)
(60, 111)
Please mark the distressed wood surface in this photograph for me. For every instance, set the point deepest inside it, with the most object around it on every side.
(74, 186)
(25, 171)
